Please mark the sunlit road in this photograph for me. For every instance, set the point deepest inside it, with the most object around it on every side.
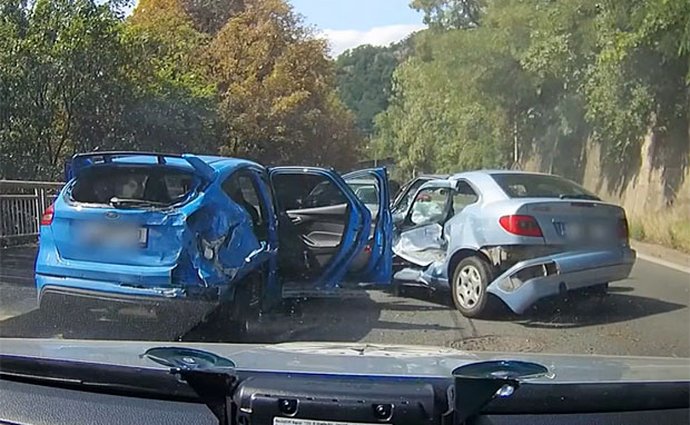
(645, 315)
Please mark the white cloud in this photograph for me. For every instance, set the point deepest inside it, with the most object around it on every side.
(341, 40)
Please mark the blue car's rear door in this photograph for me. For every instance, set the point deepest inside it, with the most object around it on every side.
(323, 227)
(375, 263)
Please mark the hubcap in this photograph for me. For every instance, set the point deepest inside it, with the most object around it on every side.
(469, 287)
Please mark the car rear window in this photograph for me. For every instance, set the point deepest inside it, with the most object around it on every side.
(154, 185)
(518, 185)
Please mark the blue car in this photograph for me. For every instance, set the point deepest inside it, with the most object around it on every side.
(167, 231)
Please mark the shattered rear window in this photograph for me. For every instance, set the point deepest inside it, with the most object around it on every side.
(160, 185)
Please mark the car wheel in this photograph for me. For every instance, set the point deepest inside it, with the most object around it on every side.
(470, 279)
(247, 307)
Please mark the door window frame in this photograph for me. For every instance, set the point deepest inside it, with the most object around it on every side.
(266, 212)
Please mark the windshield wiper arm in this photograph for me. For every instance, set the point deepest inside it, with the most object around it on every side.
(131, 202)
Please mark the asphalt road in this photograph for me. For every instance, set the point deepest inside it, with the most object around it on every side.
(646, 314)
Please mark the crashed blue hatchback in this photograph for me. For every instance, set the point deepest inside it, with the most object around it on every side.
(160, 230)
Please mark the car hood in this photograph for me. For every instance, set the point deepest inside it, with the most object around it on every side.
(359, 359)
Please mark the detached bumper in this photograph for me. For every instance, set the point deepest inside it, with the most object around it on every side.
(111, 294)
(531, 280)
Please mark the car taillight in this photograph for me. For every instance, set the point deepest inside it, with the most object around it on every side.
(623, 231)
(47, 216)
(521, 225)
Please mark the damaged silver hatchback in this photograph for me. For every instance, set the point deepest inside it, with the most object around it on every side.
(514, 235)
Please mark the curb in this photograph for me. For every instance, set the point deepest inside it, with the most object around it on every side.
(672, 259)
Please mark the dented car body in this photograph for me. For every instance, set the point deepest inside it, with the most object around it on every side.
(518, 236)
(156, 229)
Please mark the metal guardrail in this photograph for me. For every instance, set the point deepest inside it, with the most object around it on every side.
(21, 205)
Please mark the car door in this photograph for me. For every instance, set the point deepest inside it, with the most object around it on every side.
(375, 263)
(333, 224)
(404, 198)
(419, 236)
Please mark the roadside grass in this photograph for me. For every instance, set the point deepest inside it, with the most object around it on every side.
(669, 228)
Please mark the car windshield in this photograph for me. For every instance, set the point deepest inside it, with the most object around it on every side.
(495, 176)
(541, 186)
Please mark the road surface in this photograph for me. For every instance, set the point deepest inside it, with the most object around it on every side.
(646, 314)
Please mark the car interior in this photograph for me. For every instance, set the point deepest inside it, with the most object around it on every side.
(423, 237)
(99, 185)
(312, 220)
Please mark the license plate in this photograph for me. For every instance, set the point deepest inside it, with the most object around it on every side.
(575, 231)
(115, 235)
(582, 232)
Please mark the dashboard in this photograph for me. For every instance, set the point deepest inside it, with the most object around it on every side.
(273, 399)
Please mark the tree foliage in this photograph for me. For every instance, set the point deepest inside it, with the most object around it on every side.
(539, 77)
(213, 76)
(448, 14)
(364, 76)
(276, 87)
(61, 81)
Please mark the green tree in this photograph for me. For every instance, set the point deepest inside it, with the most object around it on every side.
(173, 107)
(364, 80)
(463, 101)
(537, 79)
(640, 78)
(448, 14)
(60, 76)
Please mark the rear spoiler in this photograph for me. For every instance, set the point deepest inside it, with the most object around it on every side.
(83, 160)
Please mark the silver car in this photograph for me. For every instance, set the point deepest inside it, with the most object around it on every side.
(518, 236)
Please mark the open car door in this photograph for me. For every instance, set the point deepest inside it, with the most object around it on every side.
(375, 263)
(419, 236)
(326, 232)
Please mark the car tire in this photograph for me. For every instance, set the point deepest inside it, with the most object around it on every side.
(245, 311)
(471, 277)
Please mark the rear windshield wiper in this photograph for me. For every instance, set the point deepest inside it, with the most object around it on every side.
(579, 196)
(130, 202)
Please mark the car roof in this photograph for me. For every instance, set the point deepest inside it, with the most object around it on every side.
(224, 162)
(433, 176)
(218, 163)
(488, 172)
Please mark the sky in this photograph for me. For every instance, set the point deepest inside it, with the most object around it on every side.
(350, 23)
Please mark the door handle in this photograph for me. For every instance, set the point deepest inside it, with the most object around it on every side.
(296, 220)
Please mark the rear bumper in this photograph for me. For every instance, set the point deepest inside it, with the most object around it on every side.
(110, 294)
(528, 281)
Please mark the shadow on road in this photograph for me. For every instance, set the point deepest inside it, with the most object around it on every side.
(328, 320)
(38, 324)
(575, 311)
(312, 320)
(580, 310)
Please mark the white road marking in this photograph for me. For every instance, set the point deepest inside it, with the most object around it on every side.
(659, 261)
